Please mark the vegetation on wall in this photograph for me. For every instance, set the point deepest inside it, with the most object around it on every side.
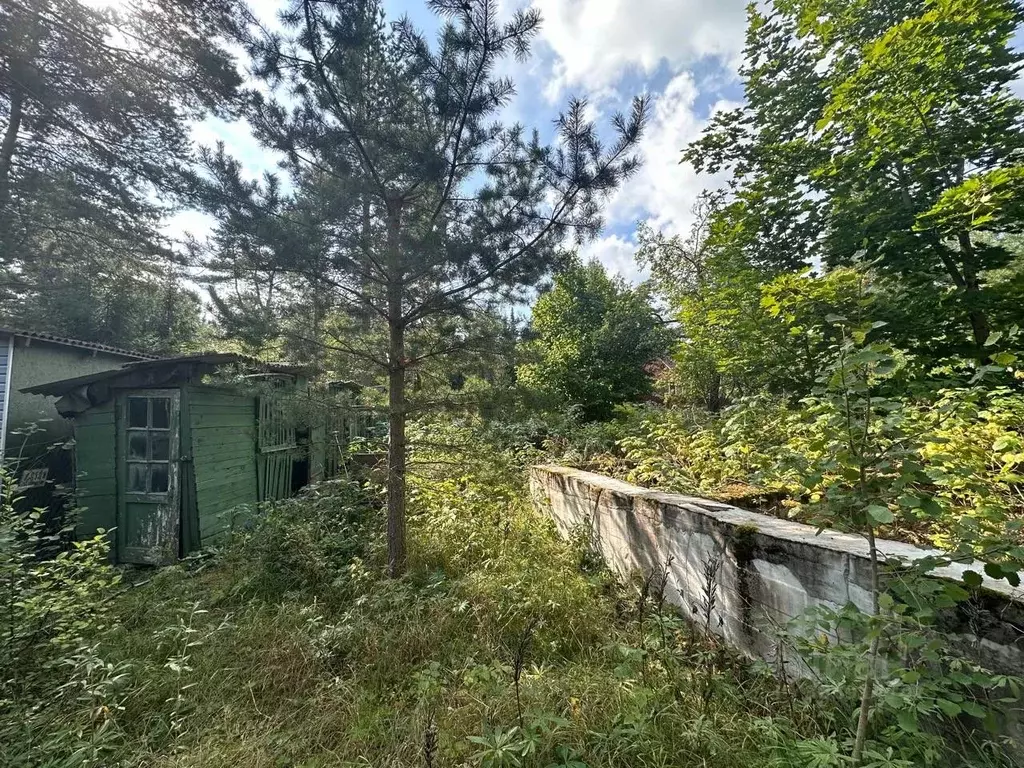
(848, 312)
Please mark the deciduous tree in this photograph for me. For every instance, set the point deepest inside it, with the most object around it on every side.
(594, 335)
(878, 130)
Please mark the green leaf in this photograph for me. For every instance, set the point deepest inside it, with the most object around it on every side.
(1003, 443)
(1004, 358)
(911, 677)
(972, 579)
(993, 571)
(949, 708)
(993, 338)
(973, 708)
(880, 514)
(931, 507)
(907, 719)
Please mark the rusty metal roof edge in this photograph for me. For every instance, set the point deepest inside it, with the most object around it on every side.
(96, 346)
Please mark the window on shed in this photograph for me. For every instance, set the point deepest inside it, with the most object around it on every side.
(149, 444)
(277, 429)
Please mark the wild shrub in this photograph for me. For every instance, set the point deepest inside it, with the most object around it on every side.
(863, 467)
(681, 452)
(291, 646)
(862, 455)
(972, 449)
(60, 695)
(300, 544)
(968, 441)
(473, 521)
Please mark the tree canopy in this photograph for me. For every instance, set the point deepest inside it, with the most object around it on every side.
(405, 200)
(592, 336)
(878, 131)
(95, 112)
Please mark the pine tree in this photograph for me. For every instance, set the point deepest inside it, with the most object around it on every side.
(95, 111)
(406, 197)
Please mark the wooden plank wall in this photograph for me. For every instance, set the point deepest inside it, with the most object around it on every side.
(190, 541)
(95, 469)
(277, 449)
(223, 427)
(343, 425)
(6, 348)
(275, 474)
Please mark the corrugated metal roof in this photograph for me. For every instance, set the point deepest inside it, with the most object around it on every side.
(55, 339)
(201, 358)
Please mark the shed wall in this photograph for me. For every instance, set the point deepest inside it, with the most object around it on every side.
(95, 467)
(6, 350)
(39, 363)
(223, 428)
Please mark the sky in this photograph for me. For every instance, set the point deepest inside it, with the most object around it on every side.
(683, 53)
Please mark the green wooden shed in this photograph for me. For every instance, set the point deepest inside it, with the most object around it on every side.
(167, 451)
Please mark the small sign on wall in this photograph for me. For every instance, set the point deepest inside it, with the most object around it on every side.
(33, 478)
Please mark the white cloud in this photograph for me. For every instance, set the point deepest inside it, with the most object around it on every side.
(188, 223)
(597, 41)
(616, 254)
(595, 44)
(663, 191)
(267, 10)
(239, 143)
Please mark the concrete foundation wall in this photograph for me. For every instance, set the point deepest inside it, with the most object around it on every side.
(770, 570)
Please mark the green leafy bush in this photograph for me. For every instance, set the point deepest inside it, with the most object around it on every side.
(966, 445)
(943, 467)
(592, 335)
(60, 693)
(694, 453)
(302, 543)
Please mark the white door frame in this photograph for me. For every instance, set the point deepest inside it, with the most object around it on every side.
(7, 396)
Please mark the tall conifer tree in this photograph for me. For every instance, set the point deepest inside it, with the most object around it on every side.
(406, 197)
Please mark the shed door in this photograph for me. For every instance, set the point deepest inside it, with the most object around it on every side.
(149, 509)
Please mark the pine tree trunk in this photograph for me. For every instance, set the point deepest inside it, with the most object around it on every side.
(396, 433)
(10, 141)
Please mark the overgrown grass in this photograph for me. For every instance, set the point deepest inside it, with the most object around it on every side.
(504, 646)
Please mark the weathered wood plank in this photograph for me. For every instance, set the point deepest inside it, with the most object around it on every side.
(229, 474)
(95, 469)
